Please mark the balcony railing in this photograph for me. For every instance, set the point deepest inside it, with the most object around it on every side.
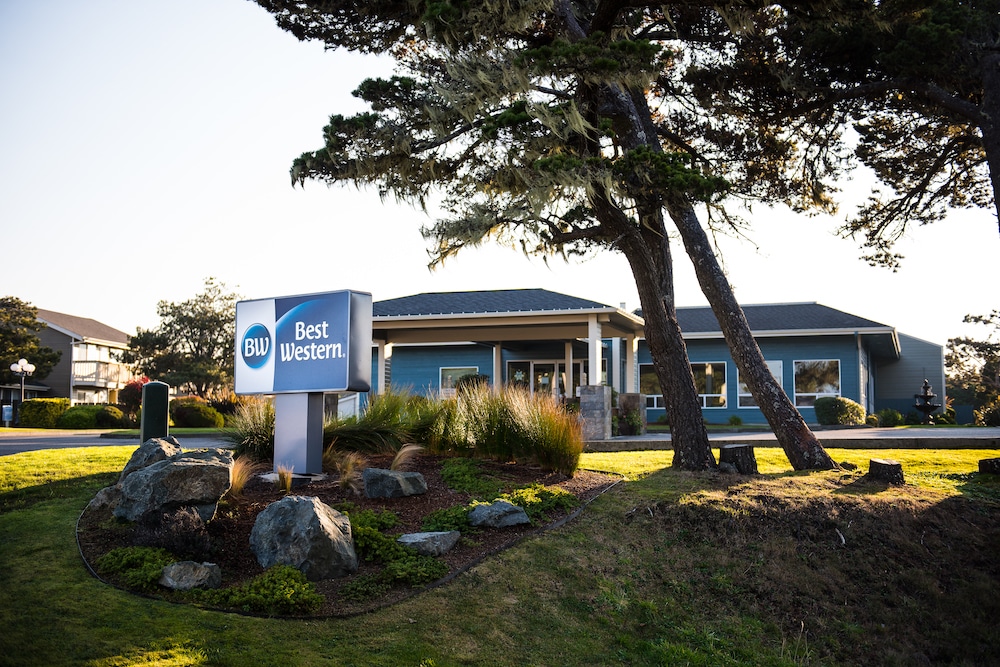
(100, 374)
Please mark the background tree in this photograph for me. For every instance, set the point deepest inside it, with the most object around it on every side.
(549, 126)
(973, 365)
(193, 346)
(908, 88)
(19, 328)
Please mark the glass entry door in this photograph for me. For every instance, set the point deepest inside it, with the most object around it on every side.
(545, 377)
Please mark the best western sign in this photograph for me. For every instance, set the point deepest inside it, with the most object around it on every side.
(304, 344)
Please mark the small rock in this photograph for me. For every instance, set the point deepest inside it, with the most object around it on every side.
(380, 483)
(727, 468)
(187, 574)
(499, 514)
(431, 544)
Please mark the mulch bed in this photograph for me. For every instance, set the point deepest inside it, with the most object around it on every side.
(229, 531)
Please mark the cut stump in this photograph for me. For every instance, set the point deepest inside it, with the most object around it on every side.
(886, 470)
(739, 456)
(990, 466)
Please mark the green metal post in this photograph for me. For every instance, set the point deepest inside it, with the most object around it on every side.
(155, 421)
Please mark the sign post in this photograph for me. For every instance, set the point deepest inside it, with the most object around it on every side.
(298, 348)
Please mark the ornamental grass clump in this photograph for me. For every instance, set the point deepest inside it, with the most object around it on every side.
(491, 420)
(244, 469)
(252, 431)
(387, 422)
(346, 466)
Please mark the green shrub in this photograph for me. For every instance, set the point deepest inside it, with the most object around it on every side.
(837, 410)
(735, 420)
(139, 568)
(888, 417)
(281, 589)
(91, 416)
(383, 520)
(538, 501)
(42, 412)
(252, 431)
(110, 416)
(79, 416)
(188, 413)
(988, 415)
(364, 587)
(465, 475)
(401, 565)
(872, 420)
(448, 519)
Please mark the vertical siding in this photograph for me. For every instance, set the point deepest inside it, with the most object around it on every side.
(61, 377)
(898, 381)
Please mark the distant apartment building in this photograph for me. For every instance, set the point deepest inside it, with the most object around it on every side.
(89, 370)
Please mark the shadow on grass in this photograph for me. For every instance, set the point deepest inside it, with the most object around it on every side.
(27, 496)
(978, 485)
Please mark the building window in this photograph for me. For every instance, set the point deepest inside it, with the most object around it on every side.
(816, 379)
(649, 385)
(451, 376)
(709, 380)
(743, 396)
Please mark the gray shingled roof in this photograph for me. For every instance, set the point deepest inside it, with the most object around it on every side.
(778, 317)
(492, 301)
(83, 327)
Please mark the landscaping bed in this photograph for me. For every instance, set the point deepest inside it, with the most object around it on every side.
(228, 534)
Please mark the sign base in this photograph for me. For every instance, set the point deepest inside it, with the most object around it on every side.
(298, 433)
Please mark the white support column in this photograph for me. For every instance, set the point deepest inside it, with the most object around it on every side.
(594, 346)
(631, 352)
(384, 352)
(569, 369)
(498, 366)
(616, 366)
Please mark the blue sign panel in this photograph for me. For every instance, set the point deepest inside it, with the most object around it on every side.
(308, 343)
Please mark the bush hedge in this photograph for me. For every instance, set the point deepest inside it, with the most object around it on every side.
(43, 412)
(890, 417)
(193, 412)
(837, 410)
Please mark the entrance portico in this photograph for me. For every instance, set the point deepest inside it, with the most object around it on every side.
(509, 320)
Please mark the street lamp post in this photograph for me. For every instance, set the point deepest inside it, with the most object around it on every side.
(22, 369)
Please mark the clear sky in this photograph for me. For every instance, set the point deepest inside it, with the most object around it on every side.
(145, 145)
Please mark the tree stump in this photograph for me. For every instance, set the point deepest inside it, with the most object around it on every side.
(739, 456)
(885, 470)
(990, 466)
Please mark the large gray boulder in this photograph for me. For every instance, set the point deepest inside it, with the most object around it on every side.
(307, 534)
(194, 479)
(149, 452)
(380, 483)
(499, 514)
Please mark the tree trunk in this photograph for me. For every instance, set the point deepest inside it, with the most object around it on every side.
(801, 447)
(649, 257)
(990, 124)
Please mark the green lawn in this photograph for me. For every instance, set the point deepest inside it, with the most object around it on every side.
(668, 568)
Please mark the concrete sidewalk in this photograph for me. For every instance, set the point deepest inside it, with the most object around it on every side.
(13, 441)
(940, 437)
